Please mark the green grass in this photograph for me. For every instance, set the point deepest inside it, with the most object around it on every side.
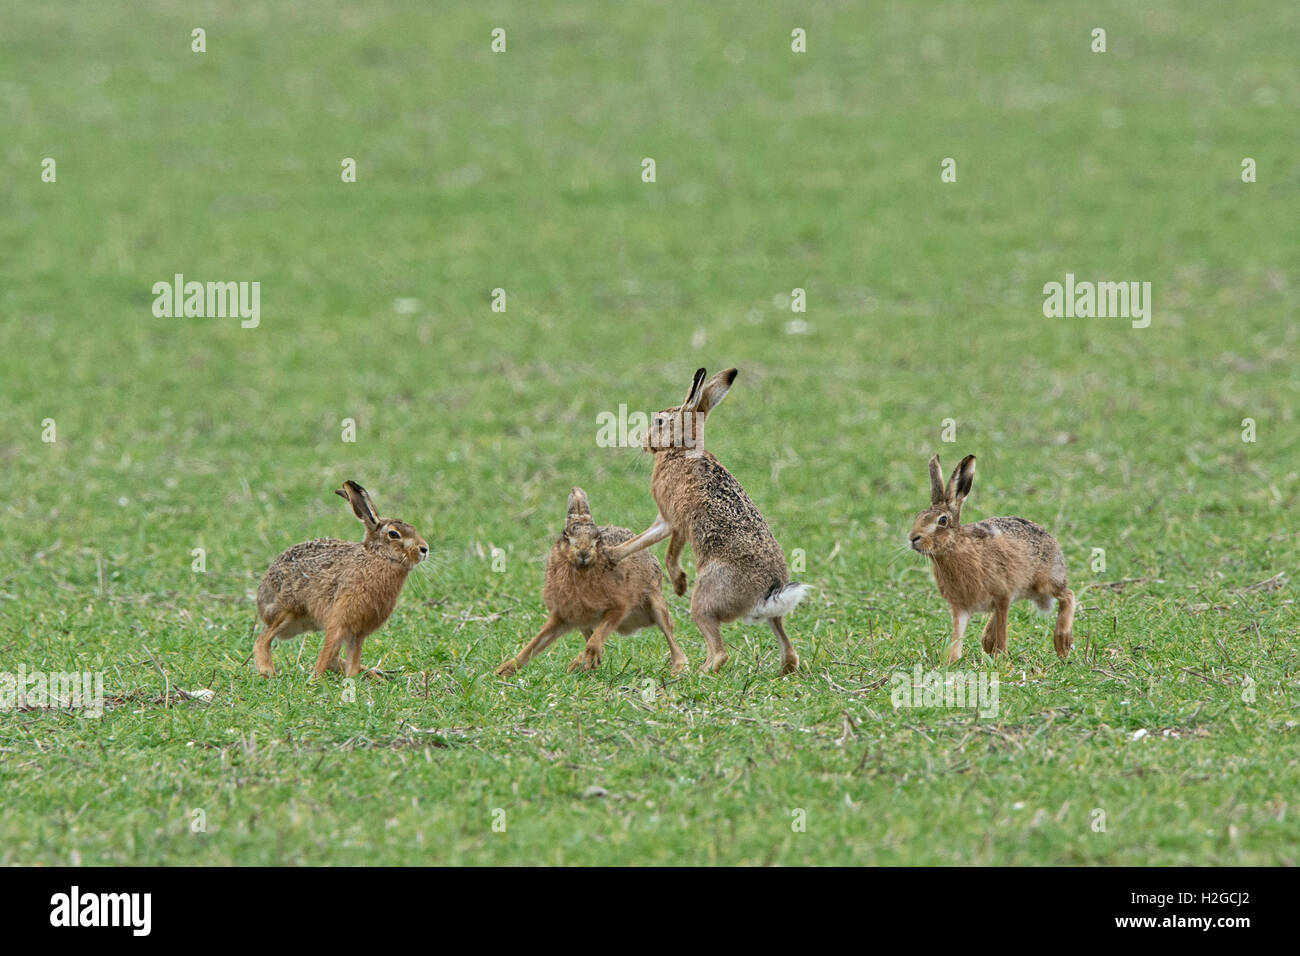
(775, 171)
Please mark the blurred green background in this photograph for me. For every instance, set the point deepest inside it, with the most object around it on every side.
(775, 171)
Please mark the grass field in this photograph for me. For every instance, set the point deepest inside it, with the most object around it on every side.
(774, 171)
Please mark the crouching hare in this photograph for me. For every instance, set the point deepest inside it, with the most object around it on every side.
(345, 588)
(742, 571)
(984, 567)
(586, 590)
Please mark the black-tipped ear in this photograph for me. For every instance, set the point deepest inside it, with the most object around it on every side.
(578, 503)
(693, 395)
(712, 393)
(963, 476)
(938, 493)
(362, 506)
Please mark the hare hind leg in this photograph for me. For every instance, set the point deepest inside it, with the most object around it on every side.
(284, 624)
(789, 656)
(262, 647)
(711, 628)
(720, 595)
(1063, 633)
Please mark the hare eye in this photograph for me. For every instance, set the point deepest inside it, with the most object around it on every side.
(393, 534)
(943, 520)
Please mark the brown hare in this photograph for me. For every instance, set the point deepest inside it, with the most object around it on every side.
(586, 590)
(345, 588)
(742, 571)
(984, 567)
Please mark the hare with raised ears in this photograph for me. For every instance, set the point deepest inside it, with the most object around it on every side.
(345, 588)
(586, 590)
(984, 567)
(741, 569)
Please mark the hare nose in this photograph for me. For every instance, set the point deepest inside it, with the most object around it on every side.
(424, 549)
(915, 538)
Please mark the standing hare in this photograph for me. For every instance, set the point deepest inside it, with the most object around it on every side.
(586, 590)
(984, 567)
(741, 569)
(345, 588)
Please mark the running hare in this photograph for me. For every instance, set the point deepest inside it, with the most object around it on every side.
(990, 564)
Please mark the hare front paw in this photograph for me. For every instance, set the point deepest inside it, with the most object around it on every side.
(714, 662)
(587, 660)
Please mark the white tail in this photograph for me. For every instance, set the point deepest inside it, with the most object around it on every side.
(778, 603)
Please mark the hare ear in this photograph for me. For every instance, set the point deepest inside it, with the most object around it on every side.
(938, 494)
(578, 506)
(715, 390)
(963, 476)
(693, 395)
(362, 506)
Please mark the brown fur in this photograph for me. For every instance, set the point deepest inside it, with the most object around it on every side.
(740, 565)
(989, 565)
(345, 588)
(587, 591)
